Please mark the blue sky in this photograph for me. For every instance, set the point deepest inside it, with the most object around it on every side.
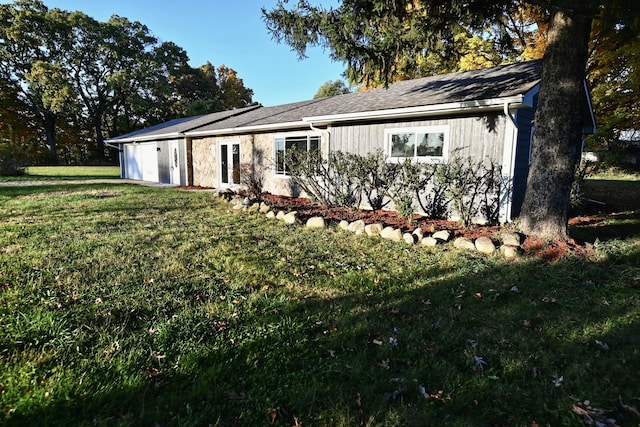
(229, 32)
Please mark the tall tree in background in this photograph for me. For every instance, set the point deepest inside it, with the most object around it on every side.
(332, 88)
(614, 65)
(233, 93)
(374, 36)
(28, 40)
(67, 74)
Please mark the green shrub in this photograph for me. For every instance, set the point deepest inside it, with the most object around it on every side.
(328, 181)
(375, 178)
(13, 160)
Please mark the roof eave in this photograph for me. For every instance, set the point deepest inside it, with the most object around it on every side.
(516, 101)
(244, 129)
(145, 138)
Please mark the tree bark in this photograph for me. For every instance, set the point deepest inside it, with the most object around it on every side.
(558, 125)
(50, 133)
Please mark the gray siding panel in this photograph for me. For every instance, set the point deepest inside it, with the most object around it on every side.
(477, 137)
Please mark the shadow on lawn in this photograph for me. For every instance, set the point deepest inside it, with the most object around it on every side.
(503, 348)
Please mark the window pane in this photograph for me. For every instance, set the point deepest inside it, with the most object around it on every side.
(280, 144)
(314, 143)
(224, 163)
(403, 145)
(235, 152)
(430, 144)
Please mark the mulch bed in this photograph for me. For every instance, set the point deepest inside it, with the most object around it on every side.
(532, 246)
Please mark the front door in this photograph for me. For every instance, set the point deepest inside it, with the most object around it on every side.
(229, 163)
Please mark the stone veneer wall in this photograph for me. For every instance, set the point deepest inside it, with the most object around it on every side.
(204, 152)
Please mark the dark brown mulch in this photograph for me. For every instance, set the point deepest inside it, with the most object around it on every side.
(531, 246)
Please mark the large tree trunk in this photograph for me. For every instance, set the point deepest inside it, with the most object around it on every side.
(558, 126)
(50, 133)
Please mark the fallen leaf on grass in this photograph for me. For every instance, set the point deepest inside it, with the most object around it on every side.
(557, 380)
(384, 364)
(593, 416)
(479, 362)
(152, 373)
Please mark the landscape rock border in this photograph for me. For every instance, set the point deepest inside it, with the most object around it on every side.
(509, 243)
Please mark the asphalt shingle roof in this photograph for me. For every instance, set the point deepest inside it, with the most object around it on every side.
(184, 124)
(490, 83)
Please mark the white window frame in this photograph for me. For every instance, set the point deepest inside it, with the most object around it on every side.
(443, 129)
(284, 174)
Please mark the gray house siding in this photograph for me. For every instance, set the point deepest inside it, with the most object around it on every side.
(478, 137)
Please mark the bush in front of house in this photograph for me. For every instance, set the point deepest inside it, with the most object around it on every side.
(328, 181)
(13, 160)
(252, 177)
(470, 189)
(375, 178)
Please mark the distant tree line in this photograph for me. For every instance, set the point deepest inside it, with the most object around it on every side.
(68, 82)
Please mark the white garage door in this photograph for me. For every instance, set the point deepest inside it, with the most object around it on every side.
(141, 161)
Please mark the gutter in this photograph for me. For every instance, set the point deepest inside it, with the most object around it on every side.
(273, 126)
(420, 111)
(146, 138)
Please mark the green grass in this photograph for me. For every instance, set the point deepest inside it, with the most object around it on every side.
(130, 305)
(67, 173)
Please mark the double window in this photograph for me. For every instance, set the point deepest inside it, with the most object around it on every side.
(304, 143)
(422, 144)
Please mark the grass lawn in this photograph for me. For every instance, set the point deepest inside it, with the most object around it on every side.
(66, 173)
(130, 305)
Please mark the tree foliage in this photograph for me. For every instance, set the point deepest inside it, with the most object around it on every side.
(332, 88)
(65, 75)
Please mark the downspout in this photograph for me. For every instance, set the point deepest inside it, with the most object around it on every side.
(316, 129)
(508, 198)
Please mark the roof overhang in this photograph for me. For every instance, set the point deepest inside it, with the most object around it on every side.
(145, 138)
(245, 129)
(494, 104)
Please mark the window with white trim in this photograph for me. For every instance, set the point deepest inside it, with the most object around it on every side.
(422, 144)
(308, 143)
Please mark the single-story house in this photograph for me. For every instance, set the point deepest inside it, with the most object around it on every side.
(483, 114)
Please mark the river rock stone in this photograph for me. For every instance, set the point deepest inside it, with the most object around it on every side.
(264, 208)
(290, 218)
(443, 235)
(511, 239)
(391, 233)
(464, 243)
(373, 229)
(429, 241)
(410, 238)
(419, 233)
(343, 225)
(509, 251)
(485, 245)
(280, 215)
(356, 225)
(316, 222)
(271, 215)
